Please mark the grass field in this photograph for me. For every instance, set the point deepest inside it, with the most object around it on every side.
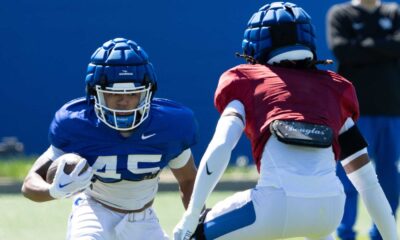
(22, 219)
(17, 168)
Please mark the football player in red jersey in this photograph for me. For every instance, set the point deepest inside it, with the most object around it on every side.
(300, 121)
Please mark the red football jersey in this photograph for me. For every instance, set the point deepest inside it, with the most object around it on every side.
(269, 93)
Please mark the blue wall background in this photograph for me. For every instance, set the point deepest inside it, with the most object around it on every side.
(45, 47)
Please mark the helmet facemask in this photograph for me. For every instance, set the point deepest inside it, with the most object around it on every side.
(123, 119)
(121, 67)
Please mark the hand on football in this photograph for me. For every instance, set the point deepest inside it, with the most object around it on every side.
(65, 185)
(185, 229)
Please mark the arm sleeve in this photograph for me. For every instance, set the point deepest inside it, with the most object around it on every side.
(216, 158)
(367, 185)
(366, 182)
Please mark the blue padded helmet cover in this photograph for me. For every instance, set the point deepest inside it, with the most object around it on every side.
(277, 25)
(119, 60)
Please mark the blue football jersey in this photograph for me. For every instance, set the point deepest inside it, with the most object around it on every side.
(170, 129)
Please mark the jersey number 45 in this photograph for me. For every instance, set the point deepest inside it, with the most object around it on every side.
(128, 167)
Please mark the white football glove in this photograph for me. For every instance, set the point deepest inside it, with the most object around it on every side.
(65, 185)
(186, 226)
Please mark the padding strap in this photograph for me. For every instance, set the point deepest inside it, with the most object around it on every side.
(283, 35)
(351, 142)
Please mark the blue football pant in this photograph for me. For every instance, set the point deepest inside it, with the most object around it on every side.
(383, 137)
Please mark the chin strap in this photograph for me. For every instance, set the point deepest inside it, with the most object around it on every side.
(248, 58)
(306, 63)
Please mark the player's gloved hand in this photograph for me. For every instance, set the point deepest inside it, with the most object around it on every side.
(65, 185)
(186, 226)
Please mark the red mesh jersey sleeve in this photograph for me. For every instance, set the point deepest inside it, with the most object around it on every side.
(230, 87)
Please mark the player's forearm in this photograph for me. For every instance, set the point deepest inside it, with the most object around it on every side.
(185, 175)
(212, 166)
(346, 48)
(353, 54)
(216, 158)
(386, 48)
(379, 209)
(366, 182)
(362, 175)
(36, 189)
(186, 189)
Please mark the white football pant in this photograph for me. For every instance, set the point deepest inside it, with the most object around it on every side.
(90, 220)
(267, 213)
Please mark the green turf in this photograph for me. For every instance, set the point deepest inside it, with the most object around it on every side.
(22, 219)
(15, 168)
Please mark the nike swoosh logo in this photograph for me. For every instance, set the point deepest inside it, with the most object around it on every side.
(63, 185)
(207, 170)
(144, 137)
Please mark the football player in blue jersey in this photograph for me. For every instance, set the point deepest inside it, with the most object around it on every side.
(300, 121)
(127, 137)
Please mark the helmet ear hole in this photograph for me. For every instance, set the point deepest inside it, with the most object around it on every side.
(90, 90)
(147, 81)
(103, 81)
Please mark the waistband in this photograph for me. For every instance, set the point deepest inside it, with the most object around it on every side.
(125, 211)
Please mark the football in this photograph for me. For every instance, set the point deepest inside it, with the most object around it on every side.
(71, 161)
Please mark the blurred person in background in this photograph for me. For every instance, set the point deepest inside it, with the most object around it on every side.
(364, 36)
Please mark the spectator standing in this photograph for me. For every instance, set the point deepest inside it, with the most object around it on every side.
(365, 39)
